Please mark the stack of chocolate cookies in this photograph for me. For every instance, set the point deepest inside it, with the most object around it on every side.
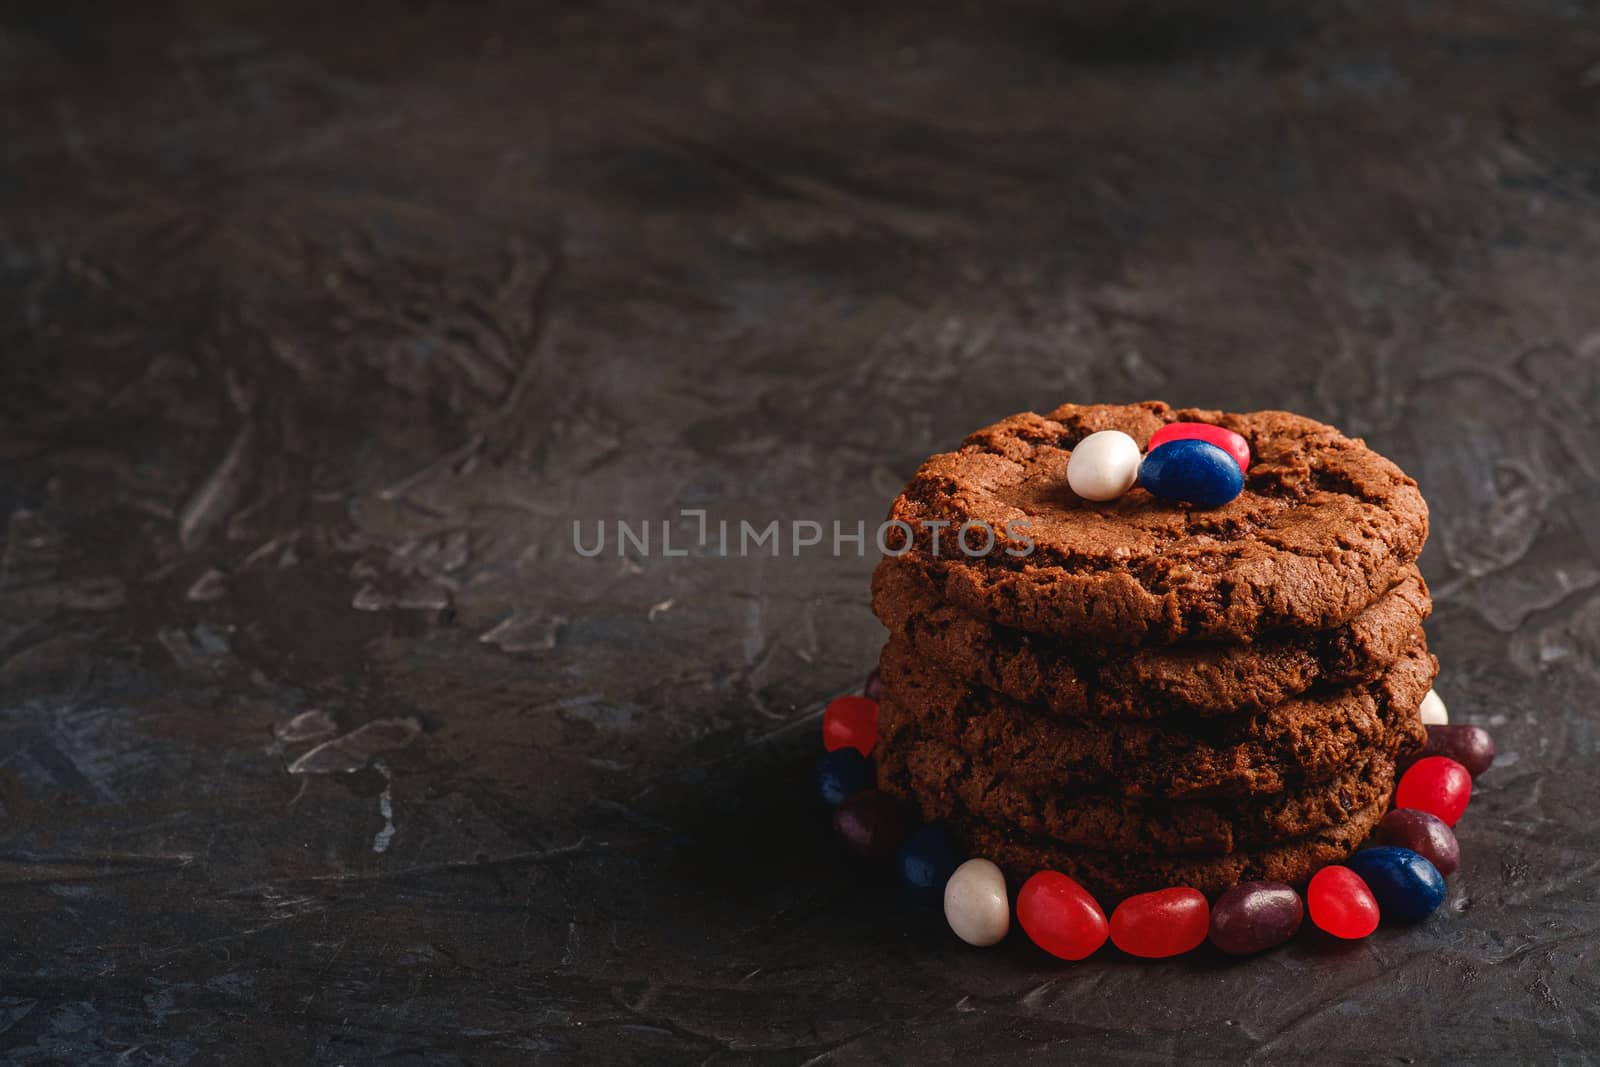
(1142, 693)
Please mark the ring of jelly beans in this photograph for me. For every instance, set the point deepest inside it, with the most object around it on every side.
(1232, 443)
(1402, 879)
(1408, 888)
(1060, 916)
(1437, 785)
(1167, 922)
(1341, 904)
(850, 722)
(1191, 470)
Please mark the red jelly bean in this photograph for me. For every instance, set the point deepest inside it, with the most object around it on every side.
(850, 722)
(1060, 916)
(1437, 785)
(1340, 903)
(1168, 922)
(1225, 439)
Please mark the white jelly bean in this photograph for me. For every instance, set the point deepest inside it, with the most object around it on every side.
(1433, 711)
(1104, 465)
(975, 903)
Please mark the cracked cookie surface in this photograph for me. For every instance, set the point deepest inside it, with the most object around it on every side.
(1308, 739)
(1198, 679)
(1323, 527)
(942, 782)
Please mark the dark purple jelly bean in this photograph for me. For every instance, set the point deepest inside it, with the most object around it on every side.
(871, 825)
(1469, 746)
(1423, 833)
(873, 690)
(841, 774)
(1254, 916)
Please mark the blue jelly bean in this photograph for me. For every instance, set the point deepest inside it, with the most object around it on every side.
(1408, 888)
(928, 859)
(1192, 470)
(841, 774)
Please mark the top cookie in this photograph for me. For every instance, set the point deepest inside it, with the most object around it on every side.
(1323, 527)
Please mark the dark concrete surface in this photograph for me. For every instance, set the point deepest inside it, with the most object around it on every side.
(320, 324)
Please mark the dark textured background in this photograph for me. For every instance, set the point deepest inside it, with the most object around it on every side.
(320, 323)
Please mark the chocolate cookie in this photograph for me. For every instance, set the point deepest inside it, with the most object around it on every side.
(1323, 527)
(1112, 875)
(1200, 679)
(941, 781)
(1308, 739)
